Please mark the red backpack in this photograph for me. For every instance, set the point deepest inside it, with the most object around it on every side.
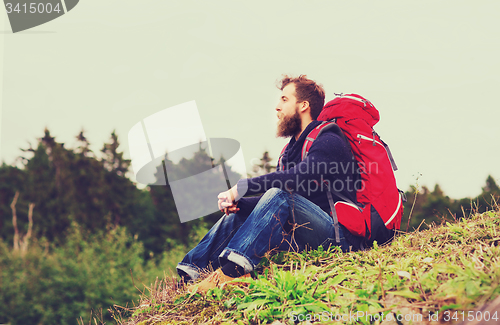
(379, 207)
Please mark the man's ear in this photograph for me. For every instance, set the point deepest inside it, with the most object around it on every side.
(304, 106)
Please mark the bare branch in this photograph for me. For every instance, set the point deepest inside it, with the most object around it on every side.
(14, 222)
(25, 241)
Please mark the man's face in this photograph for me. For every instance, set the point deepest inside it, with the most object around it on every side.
(289, 123)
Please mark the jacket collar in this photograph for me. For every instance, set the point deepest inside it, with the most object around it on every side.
(304, 134)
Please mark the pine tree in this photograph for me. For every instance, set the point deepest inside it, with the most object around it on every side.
(265, 166)
(113, 160)
(489, 197)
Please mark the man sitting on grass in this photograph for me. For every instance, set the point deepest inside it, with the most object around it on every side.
(294, 211)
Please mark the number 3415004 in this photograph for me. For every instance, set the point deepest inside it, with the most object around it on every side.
(32, 8)
(470, 316)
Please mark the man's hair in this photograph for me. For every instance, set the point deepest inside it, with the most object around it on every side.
(306, 90)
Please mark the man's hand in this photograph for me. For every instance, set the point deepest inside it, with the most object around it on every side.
(231, 209)
(227, 202)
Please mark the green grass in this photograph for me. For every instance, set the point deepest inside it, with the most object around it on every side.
(442, 273)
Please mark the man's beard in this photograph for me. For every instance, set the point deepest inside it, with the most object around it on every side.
(289, 126)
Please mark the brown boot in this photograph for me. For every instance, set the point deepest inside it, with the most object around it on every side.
(216, 279)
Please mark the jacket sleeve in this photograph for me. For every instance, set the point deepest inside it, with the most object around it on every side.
(247, 204)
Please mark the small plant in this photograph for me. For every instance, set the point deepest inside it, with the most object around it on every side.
(417, 189)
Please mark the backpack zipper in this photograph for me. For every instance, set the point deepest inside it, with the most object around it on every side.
(387, 150)
(364, 137)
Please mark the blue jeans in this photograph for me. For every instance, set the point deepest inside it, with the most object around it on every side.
(279, 221)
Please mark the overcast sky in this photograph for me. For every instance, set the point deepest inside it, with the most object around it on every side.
(430, 67)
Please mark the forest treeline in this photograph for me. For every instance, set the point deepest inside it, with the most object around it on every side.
(76, 185)
(85, 226)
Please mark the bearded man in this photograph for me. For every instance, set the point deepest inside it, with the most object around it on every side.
(294, 211)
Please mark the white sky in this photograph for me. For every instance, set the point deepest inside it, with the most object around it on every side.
(431, 68)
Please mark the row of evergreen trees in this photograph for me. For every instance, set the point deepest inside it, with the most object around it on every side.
(76, 185)
(433, 206)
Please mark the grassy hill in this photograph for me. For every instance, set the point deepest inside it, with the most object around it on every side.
(440, 275)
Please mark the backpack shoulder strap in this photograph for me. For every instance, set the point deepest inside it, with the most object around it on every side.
(280, 165)
(313, 135)
(327, 125)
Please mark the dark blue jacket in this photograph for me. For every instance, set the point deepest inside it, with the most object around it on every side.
(329, 159)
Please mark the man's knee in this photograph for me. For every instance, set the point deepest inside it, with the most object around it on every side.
(273, 192)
